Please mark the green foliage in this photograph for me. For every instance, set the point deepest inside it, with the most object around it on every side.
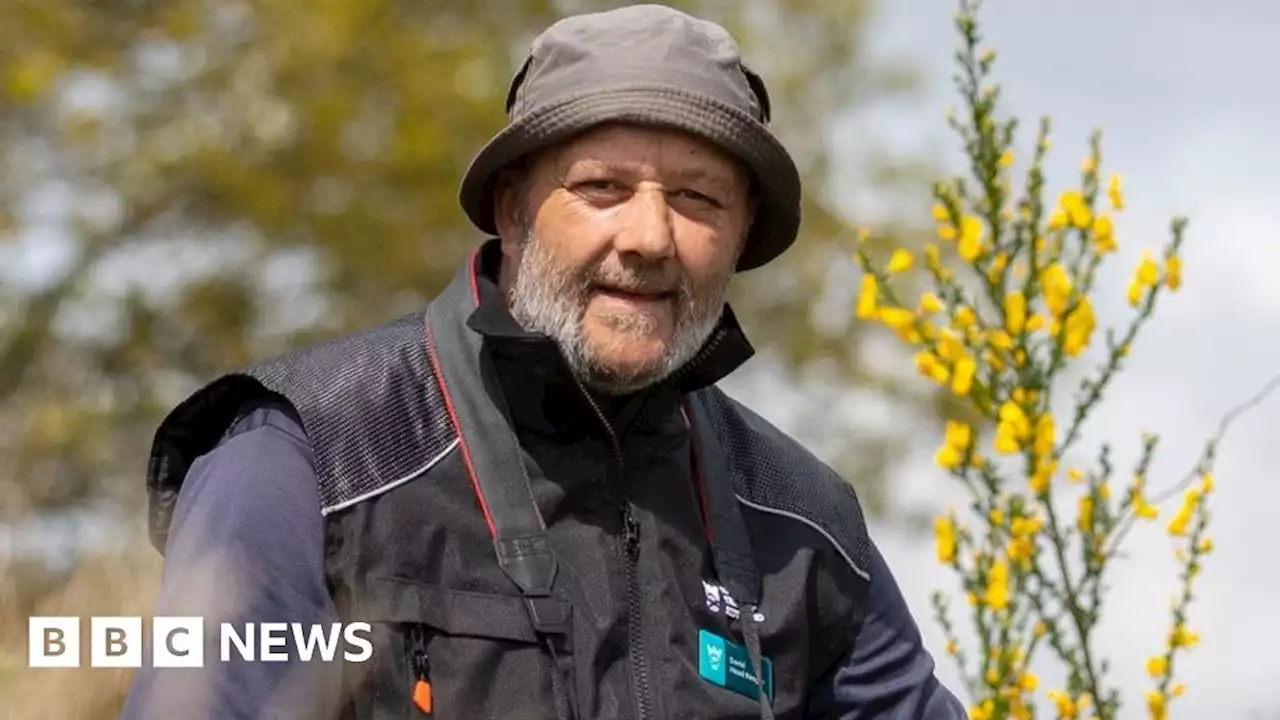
(236, 178)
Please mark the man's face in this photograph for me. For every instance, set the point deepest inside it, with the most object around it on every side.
(622, 245)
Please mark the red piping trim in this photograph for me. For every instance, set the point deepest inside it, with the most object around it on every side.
(462, 441)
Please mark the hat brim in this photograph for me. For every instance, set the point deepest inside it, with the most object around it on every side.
(776, 177)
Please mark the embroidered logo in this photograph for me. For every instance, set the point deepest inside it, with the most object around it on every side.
(718, 598)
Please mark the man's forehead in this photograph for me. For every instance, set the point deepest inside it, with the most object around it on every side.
(642, 150)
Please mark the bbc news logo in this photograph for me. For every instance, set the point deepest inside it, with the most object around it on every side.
(176, 642)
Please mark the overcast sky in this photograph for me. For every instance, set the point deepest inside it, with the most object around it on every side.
(1185, 92)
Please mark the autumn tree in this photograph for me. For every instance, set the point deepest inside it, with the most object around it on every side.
(188, 186)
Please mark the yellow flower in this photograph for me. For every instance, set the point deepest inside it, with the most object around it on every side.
(1148, 272)
(1063, 704)
(1206, 546)
(1026, 526)
(997, 595)
(1157, 666)
(867, 297)
(1021, 549)
(1015, 311)
(999, 262)
(1104, 235)
(944, 531)
(1000, 339)
(1078, 212)
(1040, 629)
(962, 377)
(1012, 430)
(1084, 520)
(900, 261)
(928, 365)
(1006, 158)
(1178, 689)
(1178, 525)
(965, 317)
(947, 231)
(948, 457)
(941, 213)
(1046, 435)
(1115, 193)
(1035, 322)
(929, 303)
(1075, 475)
(970, 246)
(1206, 483)
(1173, 272)
(1183, 638)
(955, 442)
(1028, 682)
(897, 319)
(983, 711)
(1146, 275)
(1156, 705)
(1057, 219)
(958, 434)
(1143, 509)
(1041, 477)
(950, 345)
(1057, 288)
(1023, 396)
(1080, 326)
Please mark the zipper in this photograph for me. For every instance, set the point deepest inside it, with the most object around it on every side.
(631, 553)
(421, 664)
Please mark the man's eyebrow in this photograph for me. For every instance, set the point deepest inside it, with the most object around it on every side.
(728, 182)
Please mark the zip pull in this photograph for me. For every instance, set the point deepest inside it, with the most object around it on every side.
(631, 531)
(421, 671)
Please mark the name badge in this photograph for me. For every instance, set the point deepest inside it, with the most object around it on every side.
(726, 664)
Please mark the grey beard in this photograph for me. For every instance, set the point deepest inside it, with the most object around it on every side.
(552, 301)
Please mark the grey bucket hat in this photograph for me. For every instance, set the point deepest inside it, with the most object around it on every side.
(653, 65)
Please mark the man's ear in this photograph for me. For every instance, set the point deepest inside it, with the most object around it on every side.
(511, 211)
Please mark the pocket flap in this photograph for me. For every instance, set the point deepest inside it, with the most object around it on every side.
(455, 612)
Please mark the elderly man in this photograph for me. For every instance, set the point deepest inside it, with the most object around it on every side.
(533, 491)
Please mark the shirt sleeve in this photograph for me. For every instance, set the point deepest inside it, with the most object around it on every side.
(889, 675)
(246, 547)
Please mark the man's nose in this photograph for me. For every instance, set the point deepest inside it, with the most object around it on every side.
(647, 228)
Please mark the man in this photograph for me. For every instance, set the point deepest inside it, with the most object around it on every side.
(533, 491)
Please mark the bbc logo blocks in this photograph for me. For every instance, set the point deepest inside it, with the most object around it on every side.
(115, 642)
(53, 642)
(180, 642)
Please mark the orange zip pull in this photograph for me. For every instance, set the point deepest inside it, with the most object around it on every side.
(422, 696)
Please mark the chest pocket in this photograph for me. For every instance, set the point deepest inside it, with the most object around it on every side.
(449, 654)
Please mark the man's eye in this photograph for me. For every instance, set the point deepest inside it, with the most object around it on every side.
(700, 198)
(599, 186)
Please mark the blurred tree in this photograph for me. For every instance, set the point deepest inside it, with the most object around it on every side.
(193, 184)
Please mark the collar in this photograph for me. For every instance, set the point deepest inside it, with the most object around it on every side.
(541, 393)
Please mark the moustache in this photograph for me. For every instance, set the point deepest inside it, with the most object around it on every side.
(668, 280)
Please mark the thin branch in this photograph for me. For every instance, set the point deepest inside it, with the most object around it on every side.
(1206, 457)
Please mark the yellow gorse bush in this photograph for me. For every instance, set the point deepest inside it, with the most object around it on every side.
(1008, 311)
